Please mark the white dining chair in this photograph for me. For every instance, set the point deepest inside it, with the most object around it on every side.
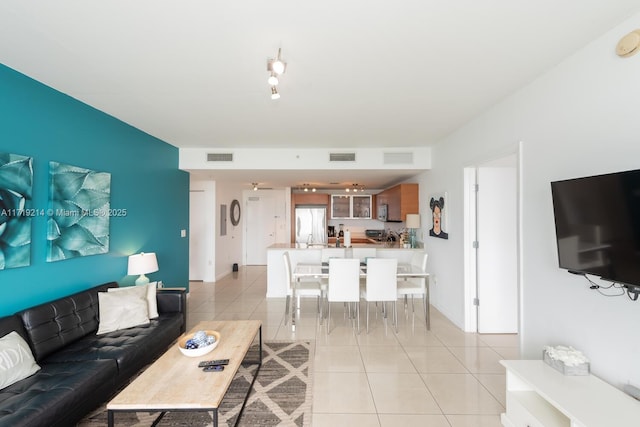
(328, 253)
(381, 285)
(417, 286)
(299, 289)
(364, 253)
(344, 286)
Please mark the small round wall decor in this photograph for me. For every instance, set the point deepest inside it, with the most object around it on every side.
(235, 212)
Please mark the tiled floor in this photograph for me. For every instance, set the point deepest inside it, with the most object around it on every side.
(438, 378)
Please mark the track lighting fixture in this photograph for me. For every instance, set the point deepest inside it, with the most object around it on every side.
(306, 188)
(355, 188)
(275, 66)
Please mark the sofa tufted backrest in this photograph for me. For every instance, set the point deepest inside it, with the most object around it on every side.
(10, 324)
(55, 324)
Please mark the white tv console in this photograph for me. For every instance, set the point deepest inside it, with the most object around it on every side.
(540, 396)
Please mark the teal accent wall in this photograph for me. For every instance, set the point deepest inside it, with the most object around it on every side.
(47, 125)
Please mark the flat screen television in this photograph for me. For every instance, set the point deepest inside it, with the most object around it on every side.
(597, 221)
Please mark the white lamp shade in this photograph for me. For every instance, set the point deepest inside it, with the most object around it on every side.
(413, 221)
(142, 263)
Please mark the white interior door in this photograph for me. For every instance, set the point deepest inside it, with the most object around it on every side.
(261, 227)
(497, 260)
(197, 233)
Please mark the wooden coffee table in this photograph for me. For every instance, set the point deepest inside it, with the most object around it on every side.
(174, 382)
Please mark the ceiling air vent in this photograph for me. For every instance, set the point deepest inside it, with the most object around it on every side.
(398, 158)
(219, 157)
(342, 157)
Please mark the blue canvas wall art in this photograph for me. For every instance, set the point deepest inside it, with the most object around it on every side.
(79, 207)
(16, 212)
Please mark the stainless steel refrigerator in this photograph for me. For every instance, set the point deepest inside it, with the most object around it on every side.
(311, 224)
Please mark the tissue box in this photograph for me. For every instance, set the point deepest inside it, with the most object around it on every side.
(558, 365)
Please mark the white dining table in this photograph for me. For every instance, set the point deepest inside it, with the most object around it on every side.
(321, 271)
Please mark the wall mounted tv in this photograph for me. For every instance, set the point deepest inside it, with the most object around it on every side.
(598, 226)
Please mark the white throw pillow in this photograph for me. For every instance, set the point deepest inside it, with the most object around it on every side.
(16, 360)
(122, 309)
(152, 303)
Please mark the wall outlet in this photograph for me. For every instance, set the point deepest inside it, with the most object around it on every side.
(183, 233)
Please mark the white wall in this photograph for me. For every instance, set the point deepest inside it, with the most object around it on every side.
(581, 118)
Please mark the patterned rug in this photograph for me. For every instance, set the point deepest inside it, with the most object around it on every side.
(281, 394)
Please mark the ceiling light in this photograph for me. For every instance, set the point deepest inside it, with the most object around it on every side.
(272, 80)
(255, 186)
(306, 188)
(355, 188)
(277, 65)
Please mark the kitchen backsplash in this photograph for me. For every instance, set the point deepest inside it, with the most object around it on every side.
(358, 226)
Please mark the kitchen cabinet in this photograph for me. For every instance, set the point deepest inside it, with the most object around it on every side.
(345, 206)
(400, 200)
(340, 207)
(361, 206)
(310, 199)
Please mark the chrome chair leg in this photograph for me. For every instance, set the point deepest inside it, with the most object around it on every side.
(286, 309)
(427, 313)
(367, 316)
(395, 314)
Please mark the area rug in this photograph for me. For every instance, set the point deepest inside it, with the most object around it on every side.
(281, 394)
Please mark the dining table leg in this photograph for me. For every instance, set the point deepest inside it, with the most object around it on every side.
(427, 311)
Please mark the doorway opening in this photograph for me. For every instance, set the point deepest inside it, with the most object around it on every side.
(492, 245)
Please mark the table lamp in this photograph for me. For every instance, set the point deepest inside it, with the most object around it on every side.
(142, 264)
(412, 223)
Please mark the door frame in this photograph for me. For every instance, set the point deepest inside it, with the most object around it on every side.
(470, 235)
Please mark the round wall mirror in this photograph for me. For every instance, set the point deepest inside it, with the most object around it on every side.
(235, 212)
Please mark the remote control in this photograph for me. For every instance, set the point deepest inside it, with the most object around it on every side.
(218, 362)
(213, 368)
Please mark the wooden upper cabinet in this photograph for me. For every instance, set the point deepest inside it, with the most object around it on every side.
(310, 199)
(400, 200)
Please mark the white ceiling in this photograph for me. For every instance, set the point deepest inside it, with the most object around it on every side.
(360, 73)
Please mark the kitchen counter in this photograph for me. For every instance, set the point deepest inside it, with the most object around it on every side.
(377, 245)
(300, 253)
(320, 245)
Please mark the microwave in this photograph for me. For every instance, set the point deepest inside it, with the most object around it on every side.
(382, 213)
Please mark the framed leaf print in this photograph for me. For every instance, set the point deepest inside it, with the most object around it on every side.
(16, 211)
(79, 207)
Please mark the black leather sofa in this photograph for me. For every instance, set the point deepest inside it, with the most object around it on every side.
(79, 369)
